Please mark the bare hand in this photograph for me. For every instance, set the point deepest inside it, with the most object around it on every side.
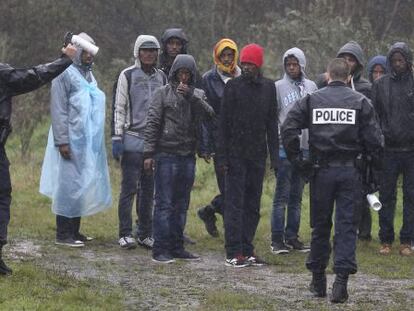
(69, 50)
(65, 151)
(183, 89)
(149, 166)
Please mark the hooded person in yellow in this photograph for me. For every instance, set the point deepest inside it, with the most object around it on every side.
(225, 56)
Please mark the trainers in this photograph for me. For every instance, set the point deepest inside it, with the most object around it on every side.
(127, 242)
(405, 250)
(206, 214)
(83, 238)
(4, 269)
(279, 248)
(385, 249)
(185, 255)
(163, 258)
(187, 240)
(237, 262)
(147, 242)
(256, 261)
(297, 245)
(70, 242)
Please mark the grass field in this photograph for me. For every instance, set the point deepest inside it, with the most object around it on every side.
(35, 287)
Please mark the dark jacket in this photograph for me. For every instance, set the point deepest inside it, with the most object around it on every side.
(360, 84)
(341, 124)
(173, 120)
(248, 121)
(393, 99)
(19, 81)
(213, 86)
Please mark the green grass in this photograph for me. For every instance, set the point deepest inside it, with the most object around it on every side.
(33, 288)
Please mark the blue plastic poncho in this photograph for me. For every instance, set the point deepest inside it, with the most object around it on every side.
(79, 186)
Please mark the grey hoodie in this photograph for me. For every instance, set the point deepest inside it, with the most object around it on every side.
(289, 91)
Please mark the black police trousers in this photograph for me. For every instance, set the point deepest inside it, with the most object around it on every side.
(5, 195)
(339, 186)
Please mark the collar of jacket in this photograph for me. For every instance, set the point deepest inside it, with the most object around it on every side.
(403, 76)
(337, 83)
(256, 80)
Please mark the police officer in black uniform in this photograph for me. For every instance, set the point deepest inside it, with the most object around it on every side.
(14, 82)
(342, 124)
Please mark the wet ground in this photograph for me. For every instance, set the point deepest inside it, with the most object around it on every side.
(190, 285)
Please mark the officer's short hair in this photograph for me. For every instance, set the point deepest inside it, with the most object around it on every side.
(338, 69)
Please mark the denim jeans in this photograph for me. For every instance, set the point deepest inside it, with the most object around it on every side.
(174, 178)
(218, 202)
(394, 164)
(288, 194)
(244, 182)
(5, 195)
(135, 183)
(67, 228)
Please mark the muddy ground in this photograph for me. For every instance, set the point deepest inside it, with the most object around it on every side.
(190, 285)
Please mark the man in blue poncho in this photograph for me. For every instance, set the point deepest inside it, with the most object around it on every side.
(75, 172)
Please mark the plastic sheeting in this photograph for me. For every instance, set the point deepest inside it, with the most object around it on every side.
(79, 186)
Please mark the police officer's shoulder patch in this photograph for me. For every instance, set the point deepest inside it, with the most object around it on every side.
(333, 116)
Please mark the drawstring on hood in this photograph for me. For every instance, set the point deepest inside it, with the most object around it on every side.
(145, 42)
(183, 61)
(78, 57)
(218, 49)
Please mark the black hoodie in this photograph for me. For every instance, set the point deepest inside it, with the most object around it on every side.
(178, 33)
(393, 99)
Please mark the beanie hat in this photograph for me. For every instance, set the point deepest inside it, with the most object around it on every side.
(252, 53)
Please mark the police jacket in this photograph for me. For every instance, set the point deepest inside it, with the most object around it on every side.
(248, 121)
(393, 99)
(15, 81)
(341, 123)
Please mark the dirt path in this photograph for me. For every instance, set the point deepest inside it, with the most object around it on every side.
(190, 285)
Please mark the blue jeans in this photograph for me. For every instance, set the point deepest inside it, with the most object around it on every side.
(288, 194)
(135, 183)
(394, 164)
(174, 178)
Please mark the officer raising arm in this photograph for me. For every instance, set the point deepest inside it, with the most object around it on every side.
(15, 82)
(342, 124)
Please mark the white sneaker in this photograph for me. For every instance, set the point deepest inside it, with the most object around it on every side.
(148, 242)
(127, 242)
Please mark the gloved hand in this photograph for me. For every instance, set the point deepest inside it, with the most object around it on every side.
(305, 168)
(117, 148)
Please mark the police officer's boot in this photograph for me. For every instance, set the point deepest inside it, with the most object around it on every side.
(339, 289)
(318, 284)
(4, 269)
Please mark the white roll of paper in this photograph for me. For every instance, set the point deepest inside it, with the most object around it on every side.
(373, 202)
(83, 44)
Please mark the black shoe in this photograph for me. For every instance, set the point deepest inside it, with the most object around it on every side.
(279, 248)
(4, 269)
(339, 289)
(184, 255)
(206, 214)
(255, 260)
(318, 284)
(187, 240)
(163, 258)
(237, 262)
(83, 238)
(69, 242)
(297, 245)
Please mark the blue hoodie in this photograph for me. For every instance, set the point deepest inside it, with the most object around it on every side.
(376, 60)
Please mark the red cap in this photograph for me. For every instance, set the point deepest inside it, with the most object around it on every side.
(252, 53)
